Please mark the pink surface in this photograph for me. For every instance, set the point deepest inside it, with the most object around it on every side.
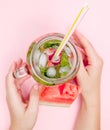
(23, 21)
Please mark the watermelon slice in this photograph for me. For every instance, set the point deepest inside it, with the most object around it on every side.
(59, 95)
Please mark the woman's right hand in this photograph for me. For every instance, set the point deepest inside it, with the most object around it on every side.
(89, 76)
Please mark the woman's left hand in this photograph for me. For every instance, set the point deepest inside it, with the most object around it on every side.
(23, 115)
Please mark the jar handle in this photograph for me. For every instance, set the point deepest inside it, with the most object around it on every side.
(21, 72)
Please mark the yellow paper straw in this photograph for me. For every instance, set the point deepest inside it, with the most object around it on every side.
(79, 17)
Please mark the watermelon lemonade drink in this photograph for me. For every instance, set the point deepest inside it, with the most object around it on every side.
(48, 70)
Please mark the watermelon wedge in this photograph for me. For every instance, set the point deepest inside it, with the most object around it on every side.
(59, 95)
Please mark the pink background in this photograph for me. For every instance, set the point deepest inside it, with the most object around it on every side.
(23, 21)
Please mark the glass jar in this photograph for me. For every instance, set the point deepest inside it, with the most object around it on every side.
(34, 69)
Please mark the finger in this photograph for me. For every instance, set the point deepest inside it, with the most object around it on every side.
(75, 40)
(10, 81)
(86, 45)
(20, 81)
(82, 70)
(34, 100)
(11, 89)
(10, 72)
(12, 68)
(19, 63)
(79, 47)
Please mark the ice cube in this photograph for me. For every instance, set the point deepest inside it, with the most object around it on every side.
(43, 60)
(36, 56)
(68, 51)
(37, 69)
(51, 72)
(64, 69)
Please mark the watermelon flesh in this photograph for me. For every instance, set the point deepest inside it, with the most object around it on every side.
(59, 95)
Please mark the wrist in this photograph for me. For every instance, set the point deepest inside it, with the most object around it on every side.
(17, 128)
(91, 101)
(14, 128)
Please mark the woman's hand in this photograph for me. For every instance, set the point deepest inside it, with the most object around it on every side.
(23, 114)
(88, 78)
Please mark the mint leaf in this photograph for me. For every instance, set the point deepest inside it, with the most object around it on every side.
(51, 43)
(43, 70)
(64, 60)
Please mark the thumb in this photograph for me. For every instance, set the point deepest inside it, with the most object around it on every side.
(34, 100)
